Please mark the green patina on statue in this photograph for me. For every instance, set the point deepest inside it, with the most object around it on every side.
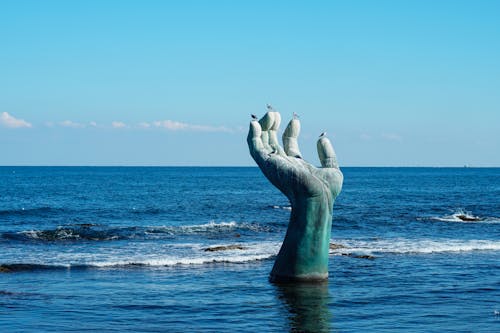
(304, 253)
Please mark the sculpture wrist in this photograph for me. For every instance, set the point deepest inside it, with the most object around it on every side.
(304, 253)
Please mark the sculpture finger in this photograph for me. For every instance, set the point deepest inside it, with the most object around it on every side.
(290, 142)
(266, 123)
(273, 134)
(326, 153)
(254, 139)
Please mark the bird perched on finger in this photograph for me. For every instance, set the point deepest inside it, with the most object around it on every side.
(322, 134)
(254, 117)
(295, 116)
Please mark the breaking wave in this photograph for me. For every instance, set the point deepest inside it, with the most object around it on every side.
(92, 232)
(463, 216)
(144, 255)
(282, 207)
(409, 246)
(180, 255)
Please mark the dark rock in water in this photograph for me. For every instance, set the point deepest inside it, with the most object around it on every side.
(468, 218)
(334, 246)
(224, 248)
(364, 256)
(4, 269)
(359, 256)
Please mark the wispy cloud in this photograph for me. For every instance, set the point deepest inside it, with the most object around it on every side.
(118, 124)
(10, 121)
(169, 125)
(72, 124)
(173, 125)
(391, 137)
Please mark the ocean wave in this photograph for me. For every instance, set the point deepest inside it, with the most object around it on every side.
(143, 255)
(20, 267)
(94, 232)
(167, 262)
(180, 255)
(68, 234)
(282, 207)
(410, 246)
(463, 216)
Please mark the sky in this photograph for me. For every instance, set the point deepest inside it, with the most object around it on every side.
(393, 83)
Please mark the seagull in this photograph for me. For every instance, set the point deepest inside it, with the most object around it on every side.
(295, 116)
(254, 117)
(322, 134)
(269, 107)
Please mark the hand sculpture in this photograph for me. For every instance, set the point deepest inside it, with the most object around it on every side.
(304, 253)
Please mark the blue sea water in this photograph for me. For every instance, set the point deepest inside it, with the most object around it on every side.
(127, 249)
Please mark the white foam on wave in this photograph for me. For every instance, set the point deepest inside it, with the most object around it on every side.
(34, 234)
(463, 216)
(112, 233)
(61, 234)
(194, 228)
(181, 261)
(194, 254)
(154, 255)
(211, 226)
(283, 207)
(413, 246)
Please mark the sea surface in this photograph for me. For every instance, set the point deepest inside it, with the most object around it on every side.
(126, 249)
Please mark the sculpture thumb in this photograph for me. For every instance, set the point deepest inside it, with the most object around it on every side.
(326, 153)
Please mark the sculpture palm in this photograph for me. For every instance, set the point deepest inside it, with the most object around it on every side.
(311, 191)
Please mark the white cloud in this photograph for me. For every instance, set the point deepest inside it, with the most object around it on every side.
(118, 124)
(9, 121)
(391, 137)
(173, 125)
(170, 125)
(72, 124)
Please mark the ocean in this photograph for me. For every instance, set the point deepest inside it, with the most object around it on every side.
(189, 249)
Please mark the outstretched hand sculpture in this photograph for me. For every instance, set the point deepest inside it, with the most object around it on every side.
(304, 253)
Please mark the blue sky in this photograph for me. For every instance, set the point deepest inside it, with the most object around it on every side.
(394, 83)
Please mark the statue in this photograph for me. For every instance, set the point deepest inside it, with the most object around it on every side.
(304, 253)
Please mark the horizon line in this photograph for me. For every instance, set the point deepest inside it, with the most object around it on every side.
(231, 166)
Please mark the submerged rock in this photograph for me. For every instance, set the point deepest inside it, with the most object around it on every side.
(334, 246)
(224, 248)
(359, 256)
(4, 269)
(467, 218)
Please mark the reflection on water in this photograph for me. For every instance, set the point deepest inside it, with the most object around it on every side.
(307, 305)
